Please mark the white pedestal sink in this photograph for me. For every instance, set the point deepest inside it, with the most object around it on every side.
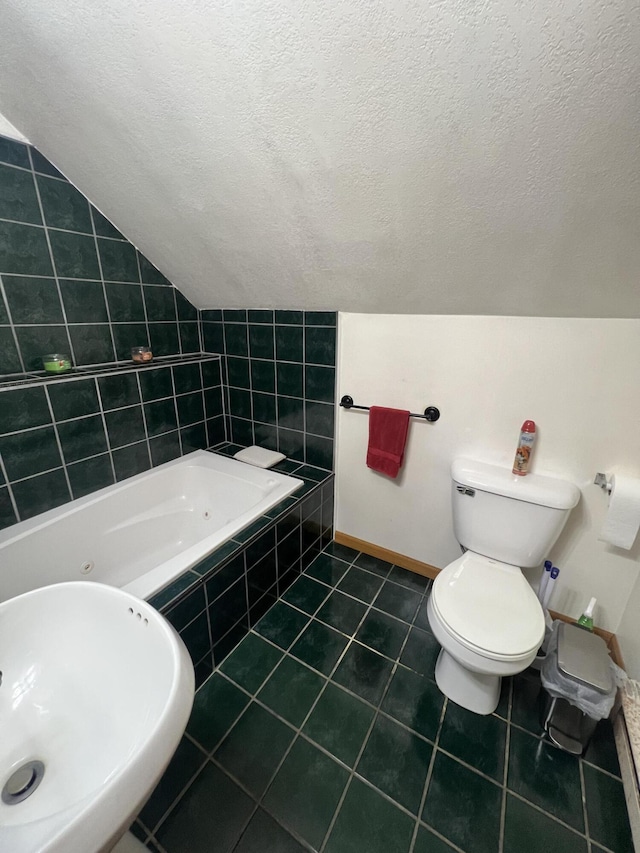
(96, 692)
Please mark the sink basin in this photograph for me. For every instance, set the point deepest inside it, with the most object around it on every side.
(96, 692)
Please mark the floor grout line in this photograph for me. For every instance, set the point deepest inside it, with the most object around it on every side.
(298, 729)
(505, 771)
(371, 724)
(583, 798)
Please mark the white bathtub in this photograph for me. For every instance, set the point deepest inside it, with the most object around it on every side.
(143, 532)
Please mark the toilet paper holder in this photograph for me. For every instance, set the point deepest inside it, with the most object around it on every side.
(602, 481)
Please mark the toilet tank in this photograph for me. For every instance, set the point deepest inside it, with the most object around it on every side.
(512, 519)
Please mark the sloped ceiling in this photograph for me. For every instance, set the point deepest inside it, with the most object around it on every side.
(368, 155)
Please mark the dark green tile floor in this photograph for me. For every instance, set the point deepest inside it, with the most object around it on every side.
(324, 731)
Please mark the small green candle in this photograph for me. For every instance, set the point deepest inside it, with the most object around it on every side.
(56, 362)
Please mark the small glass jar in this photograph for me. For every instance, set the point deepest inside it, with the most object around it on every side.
(141, 355)
(56, 362)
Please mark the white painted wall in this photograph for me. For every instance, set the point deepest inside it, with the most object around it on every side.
(366, 155)
(577, 378)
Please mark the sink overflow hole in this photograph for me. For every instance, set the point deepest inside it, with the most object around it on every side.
(22, 782)
(138, 616)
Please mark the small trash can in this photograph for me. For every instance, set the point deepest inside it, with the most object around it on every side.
(579, 687)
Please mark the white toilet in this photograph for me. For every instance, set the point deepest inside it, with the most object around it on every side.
(482, 610)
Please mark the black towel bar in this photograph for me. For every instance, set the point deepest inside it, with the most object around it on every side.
(431, 414)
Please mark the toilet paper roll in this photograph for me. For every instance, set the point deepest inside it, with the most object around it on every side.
(623, 517)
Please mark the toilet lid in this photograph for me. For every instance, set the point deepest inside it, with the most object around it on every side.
(489, 605)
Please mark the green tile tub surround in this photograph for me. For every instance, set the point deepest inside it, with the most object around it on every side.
(92, 343)
(280, 369)
(32, 301)
(31, 452)
(24, 408)
(40, 493)
(9, 351)
(125, 302)
(32, 340)
(18, 199)
(14, 153)
(63, 205)
(7, 512)
(131, 460)
(164, 338)
(73, 399)
(42, 166)
(74, 255)
(118, 260)
(24, 250)
(226, 576)
(63, 265)
(82, 299)
(82, 438)
(89, 475)
(124, 426)
(94, 430)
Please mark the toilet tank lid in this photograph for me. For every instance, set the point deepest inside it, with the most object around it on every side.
(534, 488)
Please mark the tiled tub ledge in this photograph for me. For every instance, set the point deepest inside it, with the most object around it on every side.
(34, 377)
(215, 603)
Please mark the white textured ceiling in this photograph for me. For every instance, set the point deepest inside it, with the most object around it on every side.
(397, 156)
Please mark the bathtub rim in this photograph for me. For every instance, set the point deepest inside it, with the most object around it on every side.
(172, 593)
(45, 519)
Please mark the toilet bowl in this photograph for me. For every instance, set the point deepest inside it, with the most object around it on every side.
(482, 610)
(489, 623)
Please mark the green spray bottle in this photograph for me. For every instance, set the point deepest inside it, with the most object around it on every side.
(586, 620)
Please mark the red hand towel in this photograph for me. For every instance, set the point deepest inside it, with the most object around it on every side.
(387, 437)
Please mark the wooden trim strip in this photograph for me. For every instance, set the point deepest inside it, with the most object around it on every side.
(428, 571)
(401, 560)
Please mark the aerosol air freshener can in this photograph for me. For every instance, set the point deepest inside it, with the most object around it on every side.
(525, 448)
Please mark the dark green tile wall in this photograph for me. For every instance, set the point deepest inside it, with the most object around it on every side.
(280, 369)
(70, 282)
(66, 437)
(214, 604)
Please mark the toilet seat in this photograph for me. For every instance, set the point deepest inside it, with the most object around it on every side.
(489, 608)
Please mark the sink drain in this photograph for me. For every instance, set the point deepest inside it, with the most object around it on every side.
(22, 782)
